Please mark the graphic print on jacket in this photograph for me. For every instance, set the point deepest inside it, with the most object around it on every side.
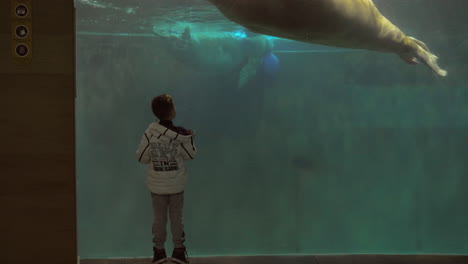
(165, 151)
(163, 156)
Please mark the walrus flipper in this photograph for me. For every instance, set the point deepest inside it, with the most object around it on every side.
(420, 43)
(432, 63)
(422, 54)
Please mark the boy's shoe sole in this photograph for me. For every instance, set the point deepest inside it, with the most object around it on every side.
(178, 261)
(161, 261)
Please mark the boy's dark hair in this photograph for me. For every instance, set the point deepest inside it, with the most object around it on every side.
(162, 106)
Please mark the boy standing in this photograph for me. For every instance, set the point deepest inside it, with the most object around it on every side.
(165, 147)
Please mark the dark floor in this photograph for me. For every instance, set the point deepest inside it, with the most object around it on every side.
(321, 259)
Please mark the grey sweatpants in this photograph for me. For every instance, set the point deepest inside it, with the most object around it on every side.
(174, 203)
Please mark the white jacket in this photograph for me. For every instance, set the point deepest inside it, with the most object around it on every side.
(165, 151)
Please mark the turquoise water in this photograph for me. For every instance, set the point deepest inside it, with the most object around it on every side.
(339, 152)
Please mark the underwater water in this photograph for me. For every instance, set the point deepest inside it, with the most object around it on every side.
(302, 149)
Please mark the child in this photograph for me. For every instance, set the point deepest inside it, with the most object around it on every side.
(165, 147)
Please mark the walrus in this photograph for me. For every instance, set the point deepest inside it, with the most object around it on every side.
(356, 24)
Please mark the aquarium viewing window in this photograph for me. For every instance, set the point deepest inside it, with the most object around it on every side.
(303, 149)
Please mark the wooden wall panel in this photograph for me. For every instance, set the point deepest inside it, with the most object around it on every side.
(37, 131)
(46, 61)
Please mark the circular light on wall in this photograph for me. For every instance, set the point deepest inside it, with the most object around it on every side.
(22, 50)
(22, 31)
(21, 10)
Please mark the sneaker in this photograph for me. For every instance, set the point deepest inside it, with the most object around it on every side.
(179, 255)
(159, 256)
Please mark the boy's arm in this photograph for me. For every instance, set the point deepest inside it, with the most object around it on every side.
(143, 152)
(188, 149)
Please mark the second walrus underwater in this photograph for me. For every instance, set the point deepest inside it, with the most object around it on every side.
(354, 24)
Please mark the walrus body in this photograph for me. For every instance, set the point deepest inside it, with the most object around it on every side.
(341, 23)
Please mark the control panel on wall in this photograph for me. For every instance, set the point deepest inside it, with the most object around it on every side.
(21, 30)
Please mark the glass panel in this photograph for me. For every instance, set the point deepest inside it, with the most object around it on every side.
(303, 148)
